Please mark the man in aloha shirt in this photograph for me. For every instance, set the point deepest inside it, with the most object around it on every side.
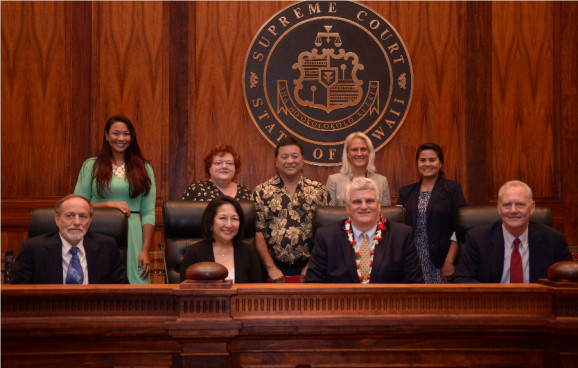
(285, 207)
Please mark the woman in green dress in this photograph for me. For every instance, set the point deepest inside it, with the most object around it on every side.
(119, 177)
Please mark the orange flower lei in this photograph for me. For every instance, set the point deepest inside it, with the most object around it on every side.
(364, 279)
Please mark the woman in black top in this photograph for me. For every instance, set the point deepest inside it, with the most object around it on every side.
(222, 228)
(432, 206)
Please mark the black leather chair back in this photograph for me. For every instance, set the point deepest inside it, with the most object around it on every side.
(107, 221)
(470, 217)
(182, 227)
(325, 215)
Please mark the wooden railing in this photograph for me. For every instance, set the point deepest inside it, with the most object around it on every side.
(276, 325)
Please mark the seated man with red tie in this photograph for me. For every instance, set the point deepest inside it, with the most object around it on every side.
(513, 250)
(365, 248)
(70, 256)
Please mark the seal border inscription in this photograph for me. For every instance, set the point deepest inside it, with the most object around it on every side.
(259, 99)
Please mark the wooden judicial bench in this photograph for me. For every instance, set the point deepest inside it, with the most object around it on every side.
(215, 324)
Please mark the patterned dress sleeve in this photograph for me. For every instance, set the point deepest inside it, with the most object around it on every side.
(260, 223)
(189, 194)
(243, 192)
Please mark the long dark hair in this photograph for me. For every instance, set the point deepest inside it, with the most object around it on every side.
(437, 149)
(209, 218)
(136, 173)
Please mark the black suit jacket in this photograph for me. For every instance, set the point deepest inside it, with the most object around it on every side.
(40, 260)
(441, 214)
(483, 256)
(395, 257)
(247, 266)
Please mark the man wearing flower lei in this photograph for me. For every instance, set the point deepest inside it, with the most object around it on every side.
(340, 255)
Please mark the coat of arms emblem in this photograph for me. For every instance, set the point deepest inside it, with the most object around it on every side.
(319, 71)
(328, 78)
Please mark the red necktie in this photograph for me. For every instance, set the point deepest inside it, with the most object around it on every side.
(516, 270)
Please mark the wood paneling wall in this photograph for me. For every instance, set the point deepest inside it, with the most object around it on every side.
(494, 85)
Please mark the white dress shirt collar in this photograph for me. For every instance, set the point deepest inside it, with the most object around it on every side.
(358, 235)
(509, 239)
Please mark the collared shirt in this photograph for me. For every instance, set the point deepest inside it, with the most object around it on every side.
(524, 252)
(285, 220)
(358, 236)
(67, 256)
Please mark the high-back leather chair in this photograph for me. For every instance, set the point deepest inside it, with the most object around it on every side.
(325, 215)
(107, 221)
(470, 217)
(182, 227)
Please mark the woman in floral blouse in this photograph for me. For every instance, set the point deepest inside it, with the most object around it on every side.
(222, 164)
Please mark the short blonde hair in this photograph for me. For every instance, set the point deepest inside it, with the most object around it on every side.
(360, 183)
(515, 183)
(346, 165)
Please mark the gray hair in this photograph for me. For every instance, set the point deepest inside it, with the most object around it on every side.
(361, 184)
(346, 165)
(515, 183)
(58, 208)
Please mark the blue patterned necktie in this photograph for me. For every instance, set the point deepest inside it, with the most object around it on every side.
(74, 274)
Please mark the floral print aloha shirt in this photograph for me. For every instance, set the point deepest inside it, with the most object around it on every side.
(286, 221)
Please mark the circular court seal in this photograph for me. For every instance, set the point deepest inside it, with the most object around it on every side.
(320, 70)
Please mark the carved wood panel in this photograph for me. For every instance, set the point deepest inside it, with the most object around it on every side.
(286, 325)
(495, 87)
(130, 75)
(35, 99)
(524, 128)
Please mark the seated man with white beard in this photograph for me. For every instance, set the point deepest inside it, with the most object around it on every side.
(70, 256)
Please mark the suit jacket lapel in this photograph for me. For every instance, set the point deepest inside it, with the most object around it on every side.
(349, 256)
(412, 203)
(537, 254)
(497, 250)
(436, 191)
(379, 254)
(91, 248)
(53, 263)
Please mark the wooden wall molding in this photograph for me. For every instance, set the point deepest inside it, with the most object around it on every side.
(476, 39)
(530, 325)
(181, 94)
(368, 303)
